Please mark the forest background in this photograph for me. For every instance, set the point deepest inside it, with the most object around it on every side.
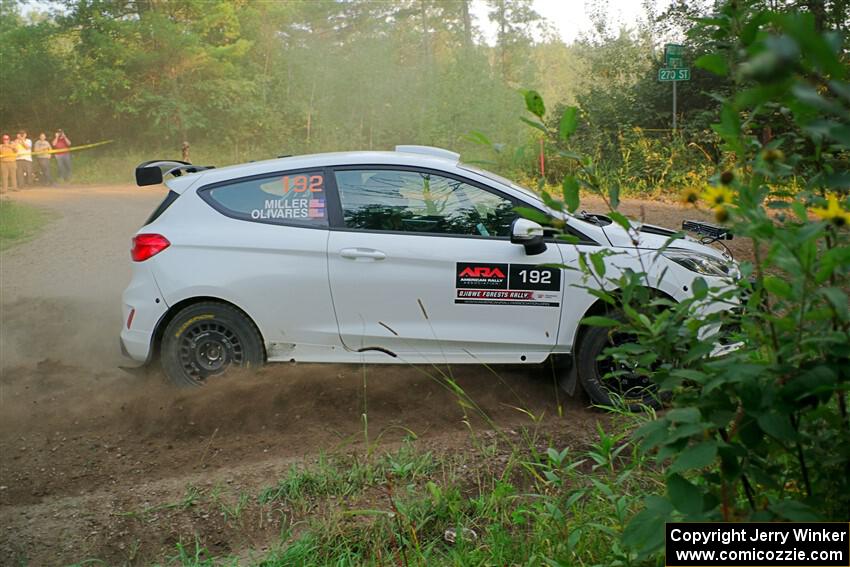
(245, 80)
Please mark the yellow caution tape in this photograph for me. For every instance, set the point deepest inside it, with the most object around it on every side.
(73, 148)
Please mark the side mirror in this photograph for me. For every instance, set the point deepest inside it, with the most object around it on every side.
(529, 234)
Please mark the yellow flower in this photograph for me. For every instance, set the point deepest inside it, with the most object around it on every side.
(771, 156)
(721, 214)
(690, 195)
(717, 196)
(833, 212)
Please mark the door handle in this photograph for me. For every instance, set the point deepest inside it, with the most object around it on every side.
(365, 253)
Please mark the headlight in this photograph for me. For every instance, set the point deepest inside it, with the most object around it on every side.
(699, 263)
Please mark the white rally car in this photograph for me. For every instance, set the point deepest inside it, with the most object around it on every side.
(407, 256)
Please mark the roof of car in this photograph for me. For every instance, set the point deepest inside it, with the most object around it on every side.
(428, 157)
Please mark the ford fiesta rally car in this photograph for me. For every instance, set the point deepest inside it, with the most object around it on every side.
(380, 257)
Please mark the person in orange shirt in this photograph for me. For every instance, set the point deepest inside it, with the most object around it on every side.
(8, 165)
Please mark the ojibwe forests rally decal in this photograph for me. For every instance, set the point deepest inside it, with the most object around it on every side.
(300, 197)
(507, 284)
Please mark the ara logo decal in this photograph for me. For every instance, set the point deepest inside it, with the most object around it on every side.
(481, 276)
(507, 284)
(482, 272)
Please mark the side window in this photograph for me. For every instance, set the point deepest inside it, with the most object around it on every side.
(418, 201)
(292, 198)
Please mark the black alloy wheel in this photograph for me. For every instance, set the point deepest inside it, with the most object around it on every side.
(207, 339)
(626, 388)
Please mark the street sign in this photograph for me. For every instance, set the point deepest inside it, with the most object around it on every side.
(674, 70)
(672, 51)
(665, 75)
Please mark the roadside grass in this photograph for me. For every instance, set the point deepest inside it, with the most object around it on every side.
(489, 511)
(345, 476)
(527, 501)
(19, 222)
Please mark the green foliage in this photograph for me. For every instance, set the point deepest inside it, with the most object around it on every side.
(569, 123)
(332, 477)
(761, 432)
(278, 77)
(568, 511)
(534, 103)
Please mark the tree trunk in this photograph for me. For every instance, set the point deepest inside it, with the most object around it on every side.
(503, 39)
(818, 10)
(310, 111)
(467, 23)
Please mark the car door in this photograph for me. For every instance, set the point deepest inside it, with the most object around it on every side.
(421, 266)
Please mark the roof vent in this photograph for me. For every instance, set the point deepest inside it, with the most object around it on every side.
(429, 151)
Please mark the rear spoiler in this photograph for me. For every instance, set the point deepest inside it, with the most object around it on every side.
(153, 172)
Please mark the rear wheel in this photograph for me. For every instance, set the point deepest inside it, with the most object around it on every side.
(627, 388)
(207, 339)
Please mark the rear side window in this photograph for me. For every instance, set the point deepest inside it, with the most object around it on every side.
(291, 198)
(170, 198)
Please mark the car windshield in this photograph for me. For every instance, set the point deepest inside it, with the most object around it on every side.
(499, 179)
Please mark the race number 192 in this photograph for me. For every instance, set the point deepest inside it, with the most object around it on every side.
(301, 183)
(535, 276)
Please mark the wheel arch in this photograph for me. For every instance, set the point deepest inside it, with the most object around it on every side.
(171, 313)
(570, 379)
(600, 307)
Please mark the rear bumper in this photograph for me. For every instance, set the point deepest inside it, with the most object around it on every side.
(143, 299)
(136, 345)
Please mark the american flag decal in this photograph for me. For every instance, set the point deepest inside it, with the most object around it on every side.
(317, 209)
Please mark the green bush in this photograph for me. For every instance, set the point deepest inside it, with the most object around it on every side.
(760, 433)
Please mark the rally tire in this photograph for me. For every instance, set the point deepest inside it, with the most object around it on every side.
(634, 396)
(206, 340)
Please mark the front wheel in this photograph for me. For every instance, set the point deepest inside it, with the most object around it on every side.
(626, 389)
(206, 339)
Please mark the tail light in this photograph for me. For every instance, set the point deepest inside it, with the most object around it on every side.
(131, 316)
(147, 245)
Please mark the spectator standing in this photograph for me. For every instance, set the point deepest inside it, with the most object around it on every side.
(60, 144)
(42, 159)
(8, 163)
(24, 159)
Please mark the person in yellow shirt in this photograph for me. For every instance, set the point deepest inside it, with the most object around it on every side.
(24, 159)
(8, 166)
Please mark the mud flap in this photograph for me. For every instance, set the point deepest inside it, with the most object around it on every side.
(569, 380)
(136, 369)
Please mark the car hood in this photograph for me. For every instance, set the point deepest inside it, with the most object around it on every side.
(654, 237)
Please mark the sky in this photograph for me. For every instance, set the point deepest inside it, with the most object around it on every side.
(569, 17)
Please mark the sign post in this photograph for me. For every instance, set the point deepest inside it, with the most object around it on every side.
(673, 71)
(674, 105)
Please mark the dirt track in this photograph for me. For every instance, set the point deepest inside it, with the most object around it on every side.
(84, 444)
